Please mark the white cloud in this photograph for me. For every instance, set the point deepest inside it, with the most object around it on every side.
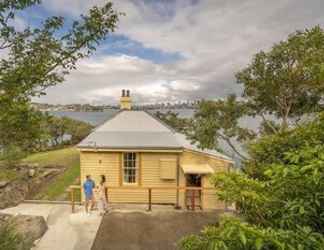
(216, 38)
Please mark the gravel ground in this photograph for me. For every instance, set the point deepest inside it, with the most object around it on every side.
(149, 231)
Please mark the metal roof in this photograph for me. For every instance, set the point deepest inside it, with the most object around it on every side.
(135, 121)
(138, 129)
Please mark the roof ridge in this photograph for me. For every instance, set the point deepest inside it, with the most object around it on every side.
(160, 121)
(109, 118)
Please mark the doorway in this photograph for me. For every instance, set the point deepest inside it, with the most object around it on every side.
(193, 196)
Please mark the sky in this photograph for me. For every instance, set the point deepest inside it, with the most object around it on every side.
(169, 51)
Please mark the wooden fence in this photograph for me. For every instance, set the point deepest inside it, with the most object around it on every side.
(195, 192)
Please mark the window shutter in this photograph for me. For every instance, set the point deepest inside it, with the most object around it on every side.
(168, 169)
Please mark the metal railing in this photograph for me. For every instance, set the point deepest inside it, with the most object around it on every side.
(196, 192)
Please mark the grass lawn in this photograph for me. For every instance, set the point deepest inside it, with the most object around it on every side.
(64, 157)
(68, 157)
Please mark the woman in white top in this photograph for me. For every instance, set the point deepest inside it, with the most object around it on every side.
(102, 196)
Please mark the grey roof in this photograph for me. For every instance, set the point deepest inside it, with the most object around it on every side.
(139, 129)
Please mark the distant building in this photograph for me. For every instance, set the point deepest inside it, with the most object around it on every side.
(135, 150)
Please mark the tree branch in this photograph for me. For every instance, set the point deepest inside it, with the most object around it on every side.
(268, 123)
(228, 141)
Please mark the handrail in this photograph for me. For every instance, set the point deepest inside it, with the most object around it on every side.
(149, 189)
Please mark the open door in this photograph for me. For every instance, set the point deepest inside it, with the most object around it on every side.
(193, 197)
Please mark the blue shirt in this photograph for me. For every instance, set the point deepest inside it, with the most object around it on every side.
(88, 187)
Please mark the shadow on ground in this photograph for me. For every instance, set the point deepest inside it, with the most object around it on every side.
(149, 231)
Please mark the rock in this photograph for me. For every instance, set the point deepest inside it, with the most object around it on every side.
(50, 172)
(30, 228)
(31, 172)
(3, 184)
(13, 193)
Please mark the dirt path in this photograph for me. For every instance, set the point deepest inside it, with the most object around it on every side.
(149, 231)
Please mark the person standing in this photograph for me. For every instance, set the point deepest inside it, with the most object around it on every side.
(88, 187)
(102, 196)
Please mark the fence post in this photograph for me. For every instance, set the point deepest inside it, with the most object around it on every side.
(149, 199)
(193, 200)
(72, 199)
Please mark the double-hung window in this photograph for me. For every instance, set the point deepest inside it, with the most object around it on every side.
(130, 167)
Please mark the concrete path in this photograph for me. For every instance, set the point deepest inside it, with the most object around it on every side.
(66, 231)
(158, 230)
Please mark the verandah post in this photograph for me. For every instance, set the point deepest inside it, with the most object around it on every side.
(149, 199)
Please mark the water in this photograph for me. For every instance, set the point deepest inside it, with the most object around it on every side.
(94, 118)
(97, 118)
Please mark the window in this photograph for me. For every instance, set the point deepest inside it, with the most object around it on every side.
(130, 167)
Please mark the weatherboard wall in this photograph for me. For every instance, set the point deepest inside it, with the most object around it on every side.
(209, 197)
(149, 175)
(154, 170)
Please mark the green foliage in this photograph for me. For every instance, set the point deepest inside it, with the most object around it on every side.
(283, 208)
(292, 194)
(234, 234)
(287, 81)
(55, 128)
(173, 120)
(37, 58)
(19, 126)
(11, 155)
(216, 121)
(281, 87)
(273, 148)
(9, 239)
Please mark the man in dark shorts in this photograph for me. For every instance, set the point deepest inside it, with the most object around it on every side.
(88, 187)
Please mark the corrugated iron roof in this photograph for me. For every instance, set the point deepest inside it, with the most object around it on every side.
(139, 129)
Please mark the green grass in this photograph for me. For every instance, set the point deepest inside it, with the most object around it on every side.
(61, 157)
(56, 189)
(69, 158)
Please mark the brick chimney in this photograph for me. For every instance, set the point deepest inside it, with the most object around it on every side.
(125, 100)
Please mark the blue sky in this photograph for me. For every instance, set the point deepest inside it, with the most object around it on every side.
(174, 50)
(115, 44)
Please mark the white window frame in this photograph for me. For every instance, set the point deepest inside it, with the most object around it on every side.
(130, 164)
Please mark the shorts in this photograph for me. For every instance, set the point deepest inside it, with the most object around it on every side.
(88, 197)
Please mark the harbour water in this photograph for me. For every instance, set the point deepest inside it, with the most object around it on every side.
(97, 118)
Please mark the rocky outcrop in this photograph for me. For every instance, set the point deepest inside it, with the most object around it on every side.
(30, 181)
(27, 228)
(13, 193)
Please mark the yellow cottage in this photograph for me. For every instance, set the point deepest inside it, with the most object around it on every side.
(136, 151)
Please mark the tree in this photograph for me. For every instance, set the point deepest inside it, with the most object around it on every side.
(173, 120)
(217, 121)
(284, 210)
(280, 87)
(273, 148)
(37, 58)
(287, 81)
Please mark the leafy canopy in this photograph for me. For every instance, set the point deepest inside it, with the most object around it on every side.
(39, 57)
(282, 210)
(280, 88)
